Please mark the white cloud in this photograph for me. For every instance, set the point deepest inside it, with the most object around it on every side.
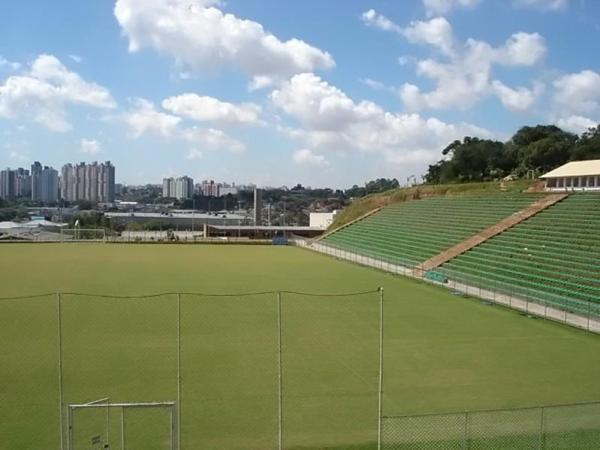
(576, 101)
(443, 7)
(522, 49)
(518, 99)
(194, 154)
(199, 36)
(146, 119)
(544, 5)
(329, 120)
(305, 157)
(436, 32)
(374, 19)
(212, 139)
(373, 84)
(209, 109)
(43, 93)
(576, 124)
(90, 146)
(9, 64)
(78, 59)
(466, 75)
(578, 92)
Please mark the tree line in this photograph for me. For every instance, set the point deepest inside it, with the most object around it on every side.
(536, 150)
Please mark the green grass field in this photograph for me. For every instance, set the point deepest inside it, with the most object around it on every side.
(442, 352)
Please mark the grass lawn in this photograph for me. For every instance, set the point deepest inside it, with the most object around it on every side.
(442, 352)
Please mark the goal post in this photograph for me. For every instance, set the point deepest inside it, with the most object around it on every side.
(101, 425)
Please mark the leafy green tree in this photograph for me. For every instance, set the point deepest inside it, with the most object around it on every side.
(543, 147)
(588, 145)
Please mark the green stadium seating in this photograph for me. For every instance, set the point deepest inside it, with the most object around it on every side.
(411, 232)
(552, 258)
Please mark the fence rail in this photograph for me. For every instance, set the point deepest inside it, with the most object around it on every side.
(569, 311)
(252, 370)
(573, 426)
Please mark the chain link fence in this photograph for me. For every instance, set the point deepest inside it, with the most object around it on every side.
(242, 371)
(570, 311)
(552, 427)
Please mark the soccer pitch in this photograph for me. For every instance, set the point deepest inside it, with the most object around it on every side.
(443, 353)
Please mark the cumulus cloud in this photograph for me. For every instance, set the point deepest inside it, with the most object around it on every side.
(306, 157)
(578, 92)
(576, 124)
(443, 7)
(146, 120)
(374, 19)
(201, 37)
(90, 146)
(330, 120)
(436, 32)
(576, 101)
(209, 109)
(465, 76)
(5, 63)
(544, 5)
(43, 93)
(518, 99)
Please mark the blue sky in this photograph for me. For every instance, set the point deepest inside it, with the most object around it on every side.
(321, 93)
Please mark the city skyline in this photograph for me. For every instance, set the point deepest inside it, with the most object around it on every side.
(256, 91)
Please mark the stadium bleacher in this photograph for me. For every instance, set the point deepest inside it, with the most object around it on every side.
(411, 232)
(553, 257)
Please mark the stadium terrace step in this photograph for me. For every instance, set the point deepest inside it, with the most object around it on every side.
(490, 232)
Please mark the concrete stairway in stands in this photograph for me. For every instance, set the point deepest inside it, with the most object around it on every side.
(488, 233)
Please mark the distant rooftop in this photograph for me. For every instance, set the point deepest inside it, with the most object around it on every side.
(576, 169)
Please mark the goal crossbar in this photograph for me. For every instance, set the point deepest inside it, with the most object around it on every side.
(99, 404)
(106, 404)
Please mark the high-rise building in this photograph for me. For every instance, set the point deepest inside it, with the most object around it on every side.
(36, 170)
(7, 184)
(168, 187)
(44, 183)
(22, 183)
(179, 188)
(92, 182)
(258, 205)
(48, 180)
(184, 188)
(210, 188)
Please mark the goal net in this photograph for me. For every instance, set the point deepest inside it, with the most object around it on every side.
(100, 425)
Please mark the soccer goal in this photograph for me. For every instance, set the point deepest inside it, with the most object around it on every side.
(82, 235)
(101, 425)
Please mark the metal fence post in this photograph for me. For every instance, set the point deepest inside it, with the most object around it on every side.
(380, 391)
(122, 428)
(61, 399)
(542, 429)
(178, 371)
(466, 431)
(279, 375)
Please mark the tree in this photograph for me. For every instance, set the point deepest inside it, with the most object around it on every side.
(587, 146)
(543, 147)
